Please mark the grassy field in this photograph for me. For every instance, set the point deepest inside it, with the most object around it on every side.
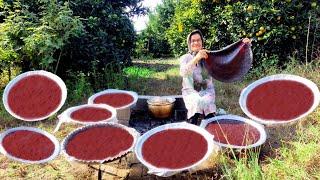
(290, 152)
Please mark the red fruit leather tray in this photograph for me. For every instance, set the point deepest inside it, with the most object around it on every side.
(98, 143)
(34, 95)
(279, 99)
(119, 99)
(235, 132)
(29, 145)
(87, 114)
(231, 63)
(172, 148)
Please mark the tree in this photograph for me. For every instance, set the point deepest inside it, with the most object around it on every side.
(109, 35)
(66, 36)
(33, 34)
(278, 28)
(153, 39)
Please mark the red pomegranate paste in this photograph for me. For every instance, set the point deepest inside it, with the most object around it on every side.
(98, 143)
(174, 148)
(28, 145)
(114, 99)
(233, 132)
(280, 100)
(90, 114)
(34, 96)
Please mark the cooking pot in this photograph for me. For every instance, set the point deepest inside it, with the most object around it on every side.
(161, 107)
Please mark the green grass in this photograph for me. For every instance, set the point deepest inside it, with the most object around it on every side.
(294, 157)
(241, 165)
(138, 72)
(154, 77)
(299, 158)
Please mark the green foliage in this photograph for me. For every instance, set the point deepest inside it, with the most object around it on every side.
(109, 35)
(268, 65)
(111, 77)
(138, 77)
(244, 166)
(297, 159)
(32, 35)
(186, 18)
(79, 88)
(3, 113)
(278, 28)
(152, 41)
(67, 36)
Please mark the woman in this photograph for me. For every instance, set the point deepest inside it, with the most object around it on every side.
(197, 86)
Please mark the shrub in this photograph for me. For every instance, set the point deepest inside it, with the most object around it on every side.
(109, 35)
(33, 33)
(66, 36)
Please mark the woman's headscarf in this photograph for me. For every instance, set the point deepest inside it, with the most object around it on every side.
(189, 39)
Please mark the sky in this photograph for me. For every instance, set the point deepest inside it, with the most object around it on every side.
(140, 22)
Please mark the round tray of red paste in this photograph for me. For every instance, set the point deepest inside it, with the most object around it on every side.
(119, 99)
(97, 143)
(171, 148)
(235, 132)
(279, 99)
(34, 95)
(89, 114)
(29, 145)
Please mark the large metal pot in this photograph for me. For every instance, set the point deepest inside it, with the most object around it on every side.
(161, 107)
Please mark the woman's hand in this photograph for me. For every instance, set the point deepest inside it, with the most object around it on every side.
(247, 41)
(202, 54)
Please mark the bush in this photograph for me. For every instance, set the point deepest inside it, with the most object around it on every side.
(109, 35)
(67, 36)
(79, 88)
(33, 33)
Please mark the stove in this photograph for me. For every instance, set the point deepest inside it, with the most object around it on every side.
(143, 121)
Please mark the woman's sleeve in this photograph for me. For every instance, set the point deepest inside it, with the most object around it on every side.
(186, 68)
(209, 82)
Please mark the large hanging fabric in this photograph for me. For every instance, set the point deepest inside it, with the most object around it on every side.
(231, 63)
